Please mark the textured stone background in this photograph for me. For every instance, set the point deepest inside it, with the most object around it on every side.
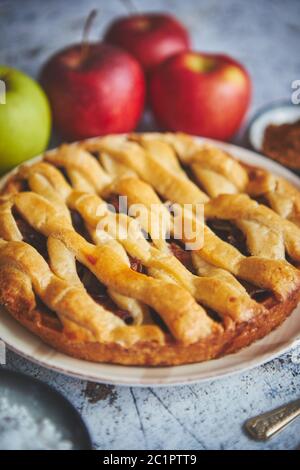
(265, 36)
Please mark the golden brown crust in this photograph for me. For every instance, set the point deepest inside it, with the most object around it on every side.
(132, 167)
(172, 353)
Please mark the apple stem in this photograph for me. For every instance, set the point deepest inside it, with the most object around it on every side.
(86, 31)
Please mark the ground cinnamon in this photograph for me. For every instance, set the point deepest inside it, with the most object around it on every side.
(282, 143)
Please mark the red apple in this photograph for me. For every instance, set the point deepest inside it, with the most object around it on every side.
(202, 94)
(151, 37)
(94, 89)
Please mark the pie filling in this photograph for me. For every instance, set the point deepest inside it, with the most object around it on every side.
(113, 200)
(94, 287)
(183, 255)
(229, 233)
(31, 236)
(47, 317)
(98, 291)
(79, 225)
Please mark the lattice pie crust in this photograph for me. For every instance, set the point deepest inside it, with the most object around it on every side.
(144, 300)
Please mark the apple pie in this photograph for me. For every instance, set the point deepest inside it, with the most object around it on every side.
(103, 284)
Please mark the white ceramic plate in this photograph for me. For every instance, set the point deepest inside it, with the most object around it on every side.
(279, 341)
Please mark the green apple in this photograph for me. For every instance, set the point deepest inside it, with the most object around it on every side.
(25, 118)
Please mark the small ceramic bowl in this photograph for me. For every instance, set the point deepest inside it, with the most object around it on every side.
(278, 112)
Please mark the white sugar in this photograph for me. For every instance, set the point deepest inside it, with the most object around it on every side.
(20, 430)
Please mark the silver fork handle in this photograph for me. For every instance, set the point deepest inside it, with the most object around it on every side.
(264, 426)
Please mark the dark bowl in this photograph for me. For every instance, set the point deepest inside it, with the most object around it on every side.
(45, 402)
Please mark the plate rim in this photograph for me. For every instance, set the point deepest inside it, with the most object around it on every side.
(230, 371)
(139, 379)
